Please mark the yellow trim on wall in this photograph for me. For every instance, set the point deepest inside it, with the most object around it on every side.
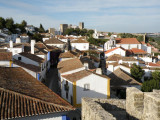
(75, 96)
(10, 63)
(108, 88)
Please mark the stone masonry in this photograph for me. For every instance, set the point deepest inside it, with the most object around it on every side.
(137, 106)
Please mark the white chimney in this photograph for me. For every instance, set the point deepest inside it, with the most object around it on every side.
(99, 71)
(18, 40)
(32, 46)
(11, 44)
(86, 65)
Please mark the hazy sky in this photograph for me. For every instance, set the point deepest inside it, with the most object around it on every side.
(103, 15)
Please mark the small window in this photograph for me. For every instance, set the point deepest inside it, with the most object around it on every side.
(19, 58)
(86, 87)
(84, 47)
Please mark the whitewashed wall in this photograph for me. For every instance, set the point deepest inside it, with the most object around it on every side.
(5, 63)
(117, 51)
(70, 92)
(80, 46)
(96, 82)
(26, 60)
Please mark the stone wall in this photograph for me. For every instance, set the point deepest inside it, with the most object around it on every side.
(137, 106)
(96, 109)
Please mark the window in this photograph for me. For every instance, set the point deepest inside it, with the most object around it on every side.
(84, 47)
(19, 58)
(86, 87)
(67, 95)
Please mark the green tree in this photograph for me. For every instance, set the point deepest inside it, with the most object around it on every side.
(37, 37)
(24, 23)
(10, 24)
(41, 29)
(137, 72)
(149, 85)
(90, 33)
(2, 23)
(156, 75)
(109, 34)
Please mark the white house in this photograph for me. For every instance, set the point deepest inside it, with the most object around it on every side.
(97, 35)
(146, 47)
(55, 42)
(118, 50)
(32, 59)
(24, 38)
(84, 84)
(80, 44)
(126, 43)
(6, 59)
(30, 28)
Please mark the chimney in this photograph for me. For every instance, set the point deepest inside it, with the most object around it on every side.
(86, 65)
(32, 46)
(99, 71)
(11, 44)
(18, 40)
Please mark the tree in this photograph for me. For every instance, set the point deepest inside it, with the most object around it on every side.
(149, 85)
(37, 37)
(2, 23)
(24, 23)
(156, 75)
(137, 72)
(109, 34)
(10, 24)
(41, 29)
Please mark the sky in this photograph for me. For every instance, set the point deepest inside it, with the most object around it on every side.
(130, 16)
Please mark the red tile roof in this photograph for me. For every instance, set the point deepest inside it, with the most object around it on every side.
(138, 51)
(142, 42)
(22, 95)
(148, 44)
(53, 41)
(127, 41)
(108, 51)
(154, 64)
(5, 56)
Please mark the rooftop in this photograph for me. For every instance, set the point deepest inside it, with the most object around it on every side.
(5, 56)
(79, 41)
(108, 51)
(22, 95)
(120, 78)
(127, 41)
(32, 57)
(68, 65)
(53, 41)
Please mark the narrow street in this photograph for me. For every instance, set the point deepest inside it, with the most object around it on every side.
(52, 80)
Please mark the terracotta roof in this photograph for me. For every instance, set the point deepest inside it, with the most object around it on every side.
(142, 42)
(79, 41)
(148, 44)
(127, 41)
(24, 34)
(138, 51)
(32, 57)
(5, 56)
(114, 57)
(153, 64)
(3, 50)
(119, 78)
(128, 59)
(68, 65)
(158, 62)
(94, 58)
(28, 66)
(53, 41)
(108, 51)
(77, 75)
(68, 54)
(21, 95)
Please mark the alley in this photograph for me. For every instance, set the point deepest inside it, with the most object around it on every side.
(52, 80)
